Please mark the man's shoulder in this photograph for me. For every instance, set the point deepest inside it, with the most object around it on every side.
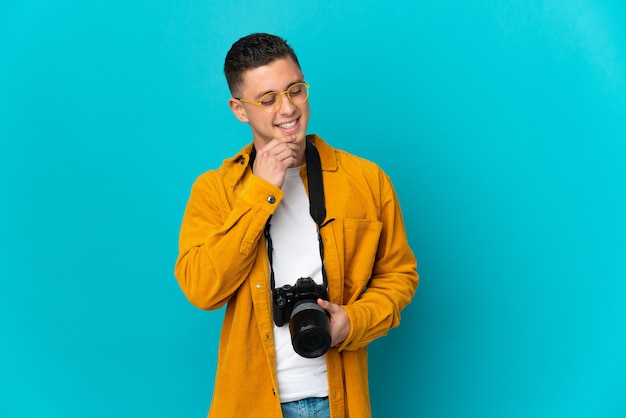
(231, 168)
(343, 159)
(347, 157)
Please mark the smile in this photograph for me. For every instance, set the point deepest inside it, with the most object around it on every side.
(288, 125)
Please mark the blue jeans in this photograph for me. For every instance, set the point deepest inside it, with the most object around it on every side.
(307, 408)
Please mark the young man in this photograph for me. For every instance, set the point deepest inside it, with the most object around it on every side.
(289, 209)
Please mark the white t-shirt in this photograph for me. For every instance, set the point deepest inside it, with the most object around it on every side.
(296, 254)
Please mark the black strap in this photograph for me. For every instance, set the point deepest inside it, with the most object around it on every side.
(317, 204)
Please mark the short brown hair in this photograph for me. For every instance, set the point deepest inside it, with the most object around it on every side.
(254, 51)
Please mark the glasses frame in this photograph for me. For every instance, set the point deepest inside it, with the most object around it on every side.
(280, 97)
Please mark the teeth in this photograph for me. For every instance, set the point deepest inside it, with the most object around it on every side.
(287, 125)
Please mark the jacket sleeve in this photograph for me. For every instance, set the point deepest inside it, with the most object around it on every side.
(393, 281)
(218, 241)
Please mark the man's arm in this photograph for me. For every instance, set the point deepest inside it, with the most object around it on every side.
(392, 284)
(218, 244)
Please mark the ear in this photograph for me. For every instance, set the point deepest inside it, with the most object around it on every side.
(237, 108)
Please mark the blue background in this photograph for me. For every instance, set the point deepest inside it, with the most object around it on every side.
(501, 123)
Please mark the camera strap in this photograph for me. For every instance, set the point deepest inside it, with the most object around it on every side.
(317, 206)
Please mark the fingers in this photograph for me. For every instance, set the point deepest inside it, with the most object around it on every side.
(280, 149)
(275, 158)
(283, 148)
(339, 321)
(286, 151)
(326, 305)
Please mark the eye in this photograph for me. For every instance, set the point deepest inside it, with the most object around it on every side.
(295, 90)
(269, 99)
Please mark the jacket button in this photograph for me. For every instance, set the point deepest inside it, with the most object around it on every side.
(271, 200)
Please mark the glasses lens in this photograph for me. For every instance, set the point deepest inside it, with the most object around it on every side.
(298, 93)
(270, 102)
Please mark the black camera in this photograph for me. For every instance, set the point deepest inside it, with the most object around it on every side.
(309, 324)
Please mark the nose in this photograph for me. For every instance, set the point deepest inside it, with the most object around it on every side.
(286, 106)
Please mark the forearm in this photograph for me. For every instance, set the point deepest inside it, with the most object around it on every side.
(392, 284)
(378, 309)
(218, 243)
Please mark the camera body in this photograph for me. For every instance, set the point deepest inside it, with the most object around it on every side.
(308, 323)
(286, 298)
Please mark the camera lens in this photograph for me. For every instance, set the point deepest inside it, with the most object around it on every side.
(311, 340)
(309, 327)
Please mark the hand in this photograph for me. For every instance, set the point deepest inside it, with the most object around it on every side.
(339, 321)
(273, 160)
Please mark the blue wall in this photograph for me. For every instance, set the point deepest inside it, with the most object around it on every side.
(502, 124)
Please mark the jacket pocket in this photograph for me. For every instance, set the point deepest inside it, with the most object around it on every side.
(361, 238)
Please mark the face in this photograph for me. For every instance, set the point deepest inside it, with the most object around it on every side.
(290, 119)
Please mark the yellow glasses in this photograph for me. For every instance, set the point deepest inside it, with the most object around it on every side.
(271, 102)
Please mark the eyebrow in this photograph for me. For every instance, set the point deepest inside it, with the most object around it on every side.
(258, 97)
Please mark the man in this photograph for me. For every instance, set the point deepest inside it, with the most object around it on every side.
(267, 218)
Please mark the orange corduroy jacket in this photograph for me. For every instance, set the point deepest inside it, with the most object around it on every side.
(222, 259)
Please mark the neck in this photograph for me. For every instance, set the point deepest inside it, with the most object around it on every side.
(301, 156)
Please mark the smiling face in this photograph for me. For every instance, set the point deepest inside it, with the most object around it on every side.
(290, 120)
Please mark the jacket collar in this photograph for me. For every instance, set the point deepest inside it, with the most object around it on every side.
(327, 153)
